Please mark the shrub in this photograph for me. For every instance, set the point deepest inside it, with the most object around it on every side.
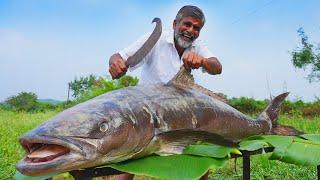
(98, 86)
(248, 105)
(44, 106)
(24, 101)
(4, 106)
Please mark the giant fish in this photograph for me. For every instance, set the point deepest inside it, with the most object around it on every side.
(134, 122)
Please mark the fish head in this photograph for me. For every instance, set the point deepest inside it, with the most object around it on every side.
(86, 135)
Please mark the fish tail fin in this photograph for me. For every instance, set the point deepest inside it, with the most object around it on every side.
(271, 114)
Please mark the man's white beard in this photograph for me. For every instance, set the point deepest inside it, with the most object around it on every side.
(181, 42)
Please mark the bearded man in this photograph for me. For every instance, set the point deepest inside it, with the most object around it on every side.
(173, 49)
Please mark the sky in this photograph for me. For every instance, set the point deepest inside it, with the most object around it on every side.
(46, 44)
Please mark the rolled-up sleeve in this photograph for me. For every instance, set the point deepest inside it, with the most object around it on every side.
(202, 49)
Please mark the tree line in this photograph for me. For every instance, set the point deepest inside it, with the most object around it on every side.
(82, 89)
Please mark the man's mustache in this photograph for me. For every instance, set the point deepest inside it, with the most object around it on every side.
(187, 34)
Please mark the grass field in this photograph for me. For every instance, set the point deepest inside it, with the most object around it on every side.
(12, 125)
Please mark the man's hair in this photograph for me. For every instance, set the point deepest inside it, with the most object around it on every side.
(192, 11)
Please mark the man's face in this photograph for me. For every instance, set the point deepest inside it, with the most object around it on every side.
(186, 31)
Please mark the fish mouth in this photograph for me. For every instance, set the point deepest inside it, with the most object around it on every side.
(41, 152)
(48, 154)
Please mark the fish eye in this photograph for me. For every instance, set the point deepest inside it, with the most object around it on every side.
(104, 127)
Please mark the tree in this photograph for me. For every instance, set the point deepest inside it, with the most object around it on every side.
(82, 84)
(24, 101)
(307, 56)
(88, 87)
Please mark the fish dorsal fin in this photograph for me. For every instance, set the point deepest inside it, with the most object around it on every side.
(184, 78)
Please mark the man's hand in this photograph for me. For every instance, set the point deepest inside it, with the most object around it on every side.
(192, 60)
(117, 66)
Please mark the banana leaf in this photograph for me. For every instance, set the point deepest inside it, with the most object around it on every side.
(312, 137)
(299, 152)
(210, 150)
(19, 176)
(251, 145)
(171, 167)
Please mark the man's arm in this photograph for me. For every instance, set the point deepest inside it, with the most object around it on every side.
(193, 60)
(117, 66)
(212, 65)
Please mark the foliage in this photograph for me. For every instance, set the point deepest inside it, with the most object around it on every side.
(248, 105)
(4, 106)
(82, 84)
(308, 55)
(294, 108)
(24, 101)
(98, 86)
(165, 167)
(27, 102)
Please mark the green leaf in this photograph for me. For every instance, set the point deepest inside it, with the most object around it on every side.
(19, 176)
(251, 145)
(211, 150)
(278, 141)
(254, 137)
(299, 152)
(312, 137)
(170, 167)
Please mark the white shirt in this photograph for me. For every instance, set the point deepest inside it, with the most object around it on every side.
(163, 61)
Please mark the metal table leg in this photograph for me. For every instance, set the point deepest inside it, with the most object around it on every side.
(246, 165)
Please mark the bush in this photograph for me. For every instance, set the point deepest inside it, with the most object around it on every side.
(98, 86)
(24, 101)
(248, 105)
(4, 106)
(312, 109)
(44, 106)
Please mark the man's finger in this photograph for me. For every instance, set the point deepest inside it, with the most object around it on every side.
(194, 61)
(113, 75)
(123, 66)
(117, 70)
(198, 62)
(185, 60)
(191, 60)
(185, 57)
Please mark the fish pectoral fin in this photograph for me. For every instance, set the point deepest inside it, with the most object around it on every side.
(172, 148)
(175, 141)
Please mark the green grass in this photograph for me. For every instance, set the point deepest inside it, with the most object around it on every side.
(13, 125)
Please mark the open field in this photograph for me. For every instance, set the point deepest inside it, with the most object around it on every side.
(12, 125)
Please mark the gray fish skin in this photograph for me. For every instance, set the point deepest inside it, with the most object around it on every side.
(134, 118)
